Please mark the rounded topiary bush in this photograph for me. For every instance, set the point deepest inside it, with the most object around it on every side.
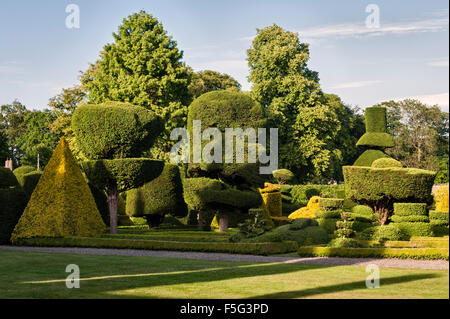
(416, 229)
(22, 170)
(345, 243)
(283, 175)
(385, 163)
(115, 130)
(29, 181)
(368, 157)
(363, 210)
(382, 233)
(161, 196)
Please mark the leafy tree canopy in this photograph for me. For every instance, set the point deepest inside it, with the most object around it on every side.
(207, 81)
(143, 67)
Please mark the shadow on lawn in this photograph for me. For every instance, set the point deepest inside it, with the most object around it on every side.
(101, 285)
(342, 287)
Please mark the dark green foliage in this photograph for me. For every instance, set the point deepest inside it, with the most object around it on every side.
(300, 223)
(415, 229)
(12, 204)
(346, 243)
(329, 224)
(368, 185)
(7, 178)
(368, 157)
(126, 173)
(101, 202)
(115, 130)
(255, 225)
(328, 213)
(410, 209)
(203, 193)
(376, 135)
(22, 170)
(29, 181)
(288, 208)
(382, 233)
(312, 235)
(302, 193)
(385, 163)
(162, 195)
(330, 203)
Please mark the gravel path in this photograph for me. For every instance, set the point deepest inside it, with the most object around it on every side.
(330, 261)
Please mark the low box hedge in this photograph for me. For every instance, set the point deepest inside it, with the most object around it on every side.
(415, 229)
(403, 253)
(406, 244)
(410, 209)
(232, 248)
(330, 203)
(437, 215)
(410, 219)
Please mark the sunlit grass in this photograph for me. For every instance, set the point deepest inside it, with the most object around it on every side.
(42, 275)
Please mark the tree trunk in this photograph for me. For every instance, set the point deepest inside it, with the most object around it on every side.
(113, 201)
(223, 222)
(383, 212)
(201, 220)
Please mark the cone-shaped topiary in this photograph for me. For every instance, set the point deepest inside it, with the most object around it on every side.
(62, 204)
(376, 135)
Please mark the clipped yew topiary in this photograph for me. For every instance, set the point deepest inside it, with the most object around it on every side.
(112, 135)
(410, 209)
(12, 203)
(29, 181)
(61, 204)
(114, 130)
(386, 162)
(376, 134)
(283, 175)
(368, 157)
(161, 196)
(22, 170)
(206, 195)
(381, 187)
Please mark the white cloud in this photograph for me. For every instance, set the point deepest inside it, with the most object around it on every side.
(357, 84)
(441, 99)
(350, 30)
(439, 62)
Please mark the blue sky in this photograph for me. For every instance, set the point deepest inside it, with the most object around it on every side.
(407, 56)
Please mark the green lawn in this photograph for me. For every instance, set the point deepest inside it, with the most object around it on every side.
(40, 275)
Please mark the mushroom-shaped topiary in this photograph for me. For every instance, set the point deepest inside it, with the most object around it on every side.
(283, 175)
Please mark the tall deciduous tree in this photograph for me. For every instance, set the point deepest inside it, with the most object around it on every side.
(62, 106)
(4, 148)
(420, 133)
(38, 138)
(207, 81)
(13, 125)
(143, 67)
(284, 84)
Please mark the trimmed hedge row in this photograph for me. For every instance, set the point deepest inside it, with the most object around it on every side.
(403, 253)
(328, 214)
(410, 219)
(366, 184)
(412, 243)
(410, 209)
(232, 248)
(437, 215)
(416, 229)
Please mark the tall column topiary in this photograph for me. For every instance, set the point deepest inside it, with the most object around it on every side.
(112, 136)
(376, 138)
